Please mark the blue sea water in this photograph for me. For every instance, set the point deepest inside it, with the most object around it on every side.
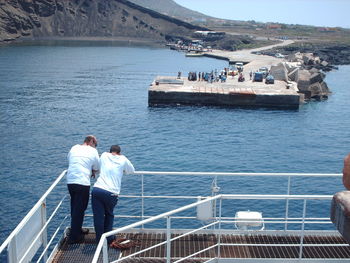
(53, 95)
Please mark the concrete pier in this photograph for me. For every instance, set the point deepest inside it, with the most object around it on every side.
(173, 91)
(170, 90)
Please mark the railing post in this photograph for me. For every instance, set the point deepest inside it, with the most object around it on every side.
(219, 239)
(214, 191)
(11, 251)
(302, 231)
(142, 199)
(105, 251)
(168, 237)
(287, 205)
(213, 208)
(43, 222)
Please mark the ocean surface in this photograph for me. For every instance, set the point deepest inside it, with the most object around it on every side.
(53, 95)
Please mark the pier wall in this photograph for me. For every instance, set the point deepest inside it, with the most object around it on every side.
(217, 99)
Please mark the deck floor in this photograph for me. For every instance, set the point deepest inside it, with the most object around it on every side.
(185, 246)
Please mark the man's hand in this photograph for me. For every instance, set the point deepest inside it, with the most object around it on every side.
(93, 174)
(346, 172)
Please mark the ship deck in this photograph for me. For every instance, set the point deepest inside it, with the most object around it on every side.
(242, 247)
(205, 229)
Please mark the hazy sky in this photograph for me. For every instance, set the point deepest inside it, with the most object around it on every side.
(307, 12)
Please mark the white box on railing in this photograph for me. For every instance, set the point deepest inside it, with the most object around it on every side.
(205, 211)
(248, 219)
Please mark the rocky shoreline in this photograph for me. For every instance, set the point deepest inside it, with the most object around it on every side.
(334, 54)
(308, 63)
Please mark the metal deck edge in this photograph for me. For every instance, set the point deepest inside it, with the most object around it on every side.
(238, 232)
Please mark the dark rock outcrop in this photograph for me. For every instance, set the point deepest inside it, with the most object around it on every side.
(87, 18)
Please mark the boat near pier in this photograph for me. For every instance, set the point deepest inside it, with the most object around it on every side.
(208, 228)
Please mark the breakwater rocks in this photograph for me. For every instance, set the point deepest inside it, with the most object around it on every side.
(306, 70)
(313, 60)
(334, 54)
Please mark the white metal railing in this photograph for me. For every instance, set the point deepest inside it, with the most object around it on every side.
(33, 225)
(289, 176)
(103, 242)
(102, 246)
(39, 236)
(239, 174)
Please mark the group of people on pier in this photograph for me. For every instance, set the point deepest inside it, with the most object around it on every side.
(213, 76)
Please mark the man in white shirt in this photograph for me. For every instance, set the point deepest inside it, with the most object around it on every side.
(83, 163)
(107, 188)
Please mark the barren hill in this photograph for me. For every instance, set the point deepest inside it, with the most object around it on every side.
(171, 8)
(87, 18)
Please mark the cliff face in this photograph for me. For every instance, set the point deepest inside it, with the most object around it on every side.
(86, 18)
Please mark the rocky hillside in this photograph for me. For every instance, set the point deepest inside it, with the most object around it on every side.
(87, 18)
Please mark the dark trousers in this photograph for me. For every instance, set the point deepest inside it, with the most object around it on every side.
(103, 203)
(79, 199)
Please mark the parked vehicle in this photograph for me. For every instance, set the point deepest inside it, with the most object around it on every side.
(270, 79)
(279, 55)
(265, 71)
(239, 66)
(258, 76)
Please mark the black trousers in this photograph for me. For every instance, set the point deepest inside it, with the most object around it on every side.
(79, 199)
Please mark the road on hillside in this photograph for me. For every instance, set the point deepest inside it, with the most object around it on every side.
(254, 62)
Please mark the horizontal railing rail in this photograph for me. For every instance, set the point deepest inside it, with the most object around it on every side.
(239, 174)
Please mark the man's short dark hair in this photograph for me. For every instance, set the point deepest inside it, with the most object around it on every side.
(115, 149)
